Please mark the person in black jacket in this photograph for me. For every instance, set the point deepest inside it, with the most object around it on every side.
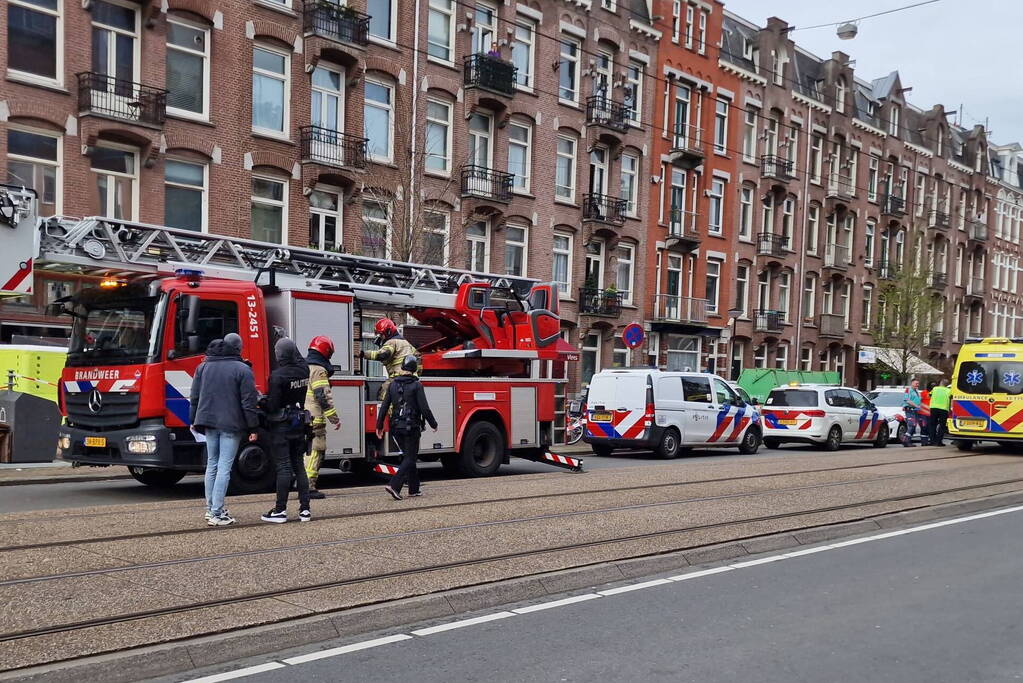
(222, 407)
(285, 415)
(406, 404)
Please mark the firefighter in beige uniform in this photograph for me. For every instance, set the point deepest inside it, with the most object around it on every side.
(393, 351)
(320, 404)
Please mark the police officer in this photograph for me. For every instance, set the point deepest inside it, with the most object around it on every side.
(393, 351)
(320, 404)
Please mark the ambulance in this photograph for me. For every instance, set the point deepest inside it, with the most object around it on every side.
(987, 393)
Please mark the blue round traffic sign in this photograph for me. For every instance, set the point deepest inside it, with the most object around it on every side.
(633, 335)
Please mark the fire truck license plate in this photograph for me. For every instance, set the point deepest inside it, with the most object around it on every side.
(601, 417)
(972, 424)
(787, 422)
(96, 441)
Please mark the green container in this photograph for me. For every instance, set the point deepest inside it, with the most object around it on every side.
(41, 363)
(758, 383)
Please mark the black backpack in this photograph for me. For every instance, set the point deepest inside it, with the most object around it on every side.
(404, 415)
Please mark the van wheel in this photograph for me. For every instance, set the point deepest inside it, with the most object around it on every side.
(253, 470)
(156, 477)
(883, 436)
(771, 442)
(670, 445)
(750, 442)
(482, 450)
(964, 445)
(834, 440)
(601, 450)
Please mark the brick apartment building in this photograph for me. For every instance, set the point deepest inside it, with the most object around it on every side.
(1005, 184)
(499, 137)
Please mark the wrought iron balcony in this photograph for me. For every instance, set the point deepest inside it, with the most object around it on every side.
(977, 231)
(602, 302)
(836, 257)
(604, 208)
(330, 147)
(893, 205)
(768, 321)
(975, 287)
(603, 111)
(940, 220)
(776, 168)
(939, 280)
(770, 244)
(339, 23)
(120, 99)
(489, 73)
(480, 181)
(831, 325)
(682, 230)
(680, 309)
(687, 147)
(840, 186)
(887, 270)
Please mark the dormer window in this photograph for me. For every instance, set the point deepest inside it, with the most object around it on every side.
(747, 49)
(894, 120)
(939, 146)
(840, 91)
(778, 66)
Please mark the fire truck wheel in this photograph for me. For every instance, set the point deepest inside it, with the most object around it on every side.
(482, 449)
(451, 463)
(156, 477)
(253, 470)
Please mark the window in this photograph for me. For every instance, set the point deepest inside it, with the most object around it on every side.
(522, 52)
(590, 361)
(620, 354)
(760, 357)
(624, 273)
(809, 297)
(721, 126)
(116, 180)
(270, 85)
(378, 119)
(564, 180)
(713, 285)
(683, 353)
(434, 245)
(381, 19)
(184, 195)
(568, 71)
(806, 359)
(788, 209)
(269, 210)
(702, 36)
(215, 320)
(867, 311)
(749, 135)
(520, 151)
(676, 19)
(784, 296)
(696, 389)
(689, 26)
(893, 120)
(561, 264)
(630, 183)
(781, 357)
(816, 158)
(188, 69)
(515, 250)
(716, 205)
(484, 28)
(872, 170)
(738, 354)
(840, 92)
(742, 289)
(813, 221)
(376, 225)
(868, 244)
(919, 193)
(778, 59)
(477, 247)
(438, 136)
(682, 129)
(33, 160)
(440, 30)
(34, 39)
(678, 199)
(634, 91)
(746, 212)
(846, 296)
(324, 220)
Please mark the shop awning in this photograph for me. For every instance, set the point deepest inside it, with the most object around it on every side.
(892, 358)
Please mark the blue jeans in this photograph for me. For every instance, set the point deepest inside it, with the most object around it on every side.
(221, 449)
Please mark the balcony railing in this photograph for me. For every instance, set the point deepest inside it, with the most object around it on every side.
(768, 321)
(335, 22)
(840, 186)
(887, 270)
(975, 287)
(480, 181)
(831, 325)
(770, 244)
(604, 208)
(603, 302)
(489, 73)
(326, 146)
(893, 205)
(776, 167)
(939, 280)
(120, 99)
(681, 309)
(940, 220)
(682, 225)
(686, 146)
(836, 256)
(603, 111)
(977, 231)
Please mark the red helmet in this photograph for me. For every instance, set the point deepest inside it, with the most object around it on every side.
(324, 345)
(386, 328)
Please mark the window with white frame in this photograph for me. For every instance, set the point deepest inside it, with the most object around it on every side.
(813, 227)
(816, 157)
(630, 183)
(564, 180)
(620, 354)
(781, 357)
(438, 136)
(184, 195)
(568, 71)
(516, 248)
(378, 120)
(520, 155)
(523, 47)
(35, 41)
(701, 36)
(893, 120)
(116, 170)
(683, 353)
(745, 212)
(325, 220)
(920, 190)
(742, 289)
(682, 130)
(869, 233)
(441, 30)
(713, 288)
(188, 68)
(872, 176)
(846, 302)
(676, 20)
(561, 263)
(434, 245)
(477, 247)
(840, 92)
(589, 363)
(749, 134)
(690, 26)
(34, 160)
(270, 91)
(677, 200)
(376, 229)
(484, 28)
(784, 294)
(806, 359)
(867, 310)
(269, 209)
(788, 210)
(809, 297)
(625, 271)
(382, 19)
(634, 91)
(721, 126)
(716, 206)
(760, 356)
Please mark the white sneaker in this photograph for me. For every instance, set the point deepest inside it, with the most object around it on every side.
(305, 516)
(209, 515)
(223, 519)
(275, 516)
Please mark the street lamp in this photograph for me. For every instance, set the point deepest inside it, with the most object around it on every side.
(733, 316)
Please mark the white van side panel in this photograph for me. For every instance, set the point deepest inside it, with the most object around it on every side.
(668, 404)
(616, 391)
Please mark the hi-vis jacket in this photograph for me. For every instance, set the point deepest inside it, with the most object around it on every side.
(392, 353)
(318, 399)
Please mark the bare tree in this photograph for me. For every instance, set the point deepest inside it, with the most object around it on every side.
(907, 319)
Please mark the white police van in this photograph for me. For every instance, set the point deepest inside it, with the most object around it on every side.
(823, 415)
(667, 411)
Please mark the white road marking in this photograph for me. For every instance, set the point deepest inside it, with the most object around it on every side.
(698, 574)
(238, 673)
(345, 649)
(555, 603)
(634, 587)
(752, 563)
(462, 624)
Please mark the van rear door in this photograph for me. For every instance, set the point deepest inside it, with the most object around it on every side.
(616, 404)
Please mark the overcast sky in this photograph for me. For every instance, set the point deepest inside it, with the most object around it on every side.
(966, 56)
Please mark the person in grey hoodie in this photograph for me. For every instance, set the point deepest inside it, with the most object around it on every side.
(222, 407)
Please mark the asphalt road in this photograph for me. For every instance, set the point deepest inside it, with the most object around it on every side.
(942, 604)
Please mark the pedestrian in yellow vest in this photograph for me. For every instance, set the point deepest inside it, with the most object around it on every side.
(941, 399)
(320, 404)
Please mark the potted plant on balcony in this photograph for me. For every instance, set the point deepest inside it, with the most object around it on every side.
(611, 298)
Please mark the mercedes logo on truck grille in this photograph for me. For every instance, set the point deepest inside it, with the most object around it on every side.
(95, 401)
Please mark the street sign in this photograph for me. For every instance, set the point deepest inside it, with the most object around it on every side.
(633, 335)
(866, 357)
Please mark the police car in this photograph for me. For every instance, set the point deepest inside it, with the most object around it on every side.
(667, 412)
(822, 415)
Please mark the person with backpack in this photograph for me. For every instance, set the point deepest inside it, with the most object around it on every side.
(287, 419)
(406, 405)
(222, 407)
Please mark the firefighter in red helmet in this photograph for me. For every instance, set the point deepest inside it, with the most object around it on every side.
(392, 352)
(320, 404)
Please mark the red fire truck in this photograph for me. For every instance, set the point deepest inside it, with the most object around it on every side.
(139, 336)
